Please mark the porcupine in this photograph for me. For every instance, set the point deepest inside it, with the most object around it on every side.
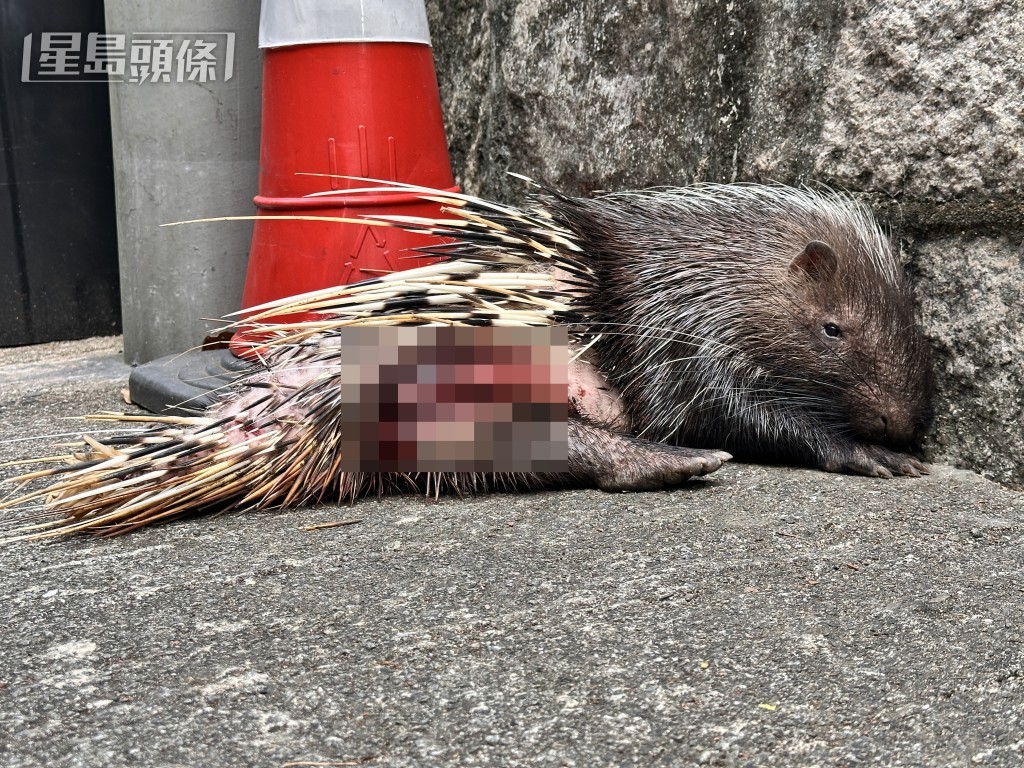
(771, 322)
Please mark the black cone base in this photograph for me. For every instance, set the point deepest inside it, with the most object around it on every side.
(185, 384)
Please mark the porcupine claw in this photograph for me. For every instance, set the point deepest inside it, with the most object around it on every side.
(908, 466)
(878, 461)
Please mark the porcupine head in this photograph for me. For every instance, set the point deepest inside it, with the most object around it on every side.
(771, 322)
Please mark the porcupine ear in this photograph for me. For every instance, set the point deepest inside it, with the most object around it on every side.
(817, 261)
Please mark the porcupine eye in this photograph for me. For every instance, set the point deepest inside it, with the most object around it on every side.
(832, 330)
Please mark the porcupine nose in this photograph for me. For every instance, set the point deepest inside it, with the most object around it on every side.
(891, 428)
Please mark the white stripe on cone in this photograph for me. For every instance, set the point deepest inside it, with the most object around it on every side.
(300, 22)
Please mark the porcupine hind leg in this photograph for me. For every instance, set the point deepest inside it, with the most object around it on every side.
(616, 462)
(601, 454)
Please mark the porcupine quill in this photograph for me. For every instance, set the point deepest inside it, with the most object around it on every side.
(773, 322)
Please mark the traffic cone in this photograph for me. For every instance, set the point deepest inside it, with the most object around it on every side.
(344, 94)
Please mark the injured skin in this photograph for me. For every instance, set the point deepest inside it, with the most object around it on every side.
(601, 452)
(593, 398)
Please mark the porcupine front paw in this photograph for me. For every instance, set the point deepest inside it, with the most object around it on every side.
(876, 461)
(615, 462)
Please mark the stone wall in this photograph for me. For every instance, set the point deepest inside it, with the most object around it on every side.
(917, 105)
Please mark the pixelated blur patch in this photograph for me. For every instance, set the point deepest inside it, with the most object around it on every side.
(452, 399)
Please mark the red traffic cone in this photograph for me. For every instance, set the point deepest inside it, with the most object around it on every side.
(344, 94)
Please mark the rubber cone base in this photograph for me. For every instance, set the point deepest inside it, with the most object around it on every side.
(184, 384)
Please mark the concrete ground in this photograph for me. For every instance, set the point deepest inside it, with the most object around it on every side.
(764, 616)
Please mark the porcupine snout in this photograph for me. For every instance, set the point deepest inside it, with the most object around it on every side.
(898, 417)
